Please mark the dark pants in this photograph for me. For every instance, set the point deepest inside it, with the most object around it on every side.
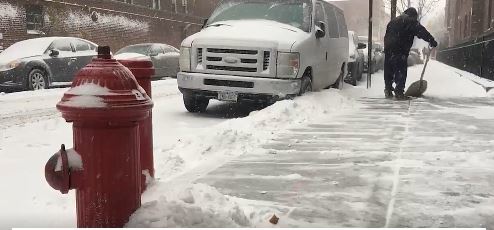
(395, 70)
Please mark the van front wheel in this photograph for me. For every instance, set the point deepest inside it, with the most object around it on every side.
(195, 104)
(339, 82)
(305, 85)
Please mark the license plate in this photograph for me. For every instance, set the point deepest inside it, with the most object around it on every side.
(227, 96)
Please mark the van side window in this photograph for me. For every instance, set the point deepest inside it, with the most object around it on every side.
(342, 24)
(332, 23)
(319, 13)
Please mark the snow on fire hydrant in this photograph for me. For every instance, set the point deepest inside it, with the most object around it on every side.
(105, 105)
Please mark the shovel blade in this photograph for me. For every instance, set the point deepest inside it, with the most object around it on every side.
(417, 89)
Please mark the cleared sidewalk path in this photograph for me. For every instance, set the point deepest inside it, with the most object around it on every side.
(424, 163)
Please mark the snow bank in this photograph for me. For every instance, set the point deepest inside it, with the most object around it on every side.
(197, 206)
(207, 149)
(244, 135)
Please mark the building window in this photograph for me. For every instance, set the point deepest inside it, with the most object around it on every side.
(157, 4)
(185, 5)
(491, 13)
(174, 3)
(34, 18)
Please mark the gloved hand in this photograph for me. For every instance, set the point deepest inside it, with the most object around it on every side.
(433, 44)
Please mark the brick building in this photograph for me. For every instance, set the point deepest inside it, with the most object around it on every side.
(470, 35)
(468, 19)
(106, 22)
(357, 16)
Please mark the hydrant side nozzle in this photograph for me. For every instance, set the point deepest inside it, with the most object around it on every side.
(58, 179)
(65, 170)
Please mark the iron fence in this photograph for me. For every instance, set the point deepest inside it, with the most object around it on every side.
(476, 56)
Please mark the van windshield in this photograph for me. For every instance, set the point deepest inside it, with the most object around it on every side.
(297, 13)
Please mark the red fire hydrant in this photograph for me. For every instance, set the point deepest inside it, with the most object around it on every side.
(143, 72)
(105, 105)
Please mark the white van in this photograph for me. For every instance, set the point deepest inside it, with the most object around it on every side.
(263, 50)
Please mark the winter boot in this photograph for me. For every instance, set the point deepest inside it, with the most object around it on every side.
(388, 94)
(401, 97)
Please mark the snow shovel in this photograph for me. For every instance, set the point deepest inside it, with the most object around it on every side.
(418, 88)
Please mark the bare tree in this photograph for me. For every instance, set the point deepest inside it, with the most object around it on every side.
(423, 7)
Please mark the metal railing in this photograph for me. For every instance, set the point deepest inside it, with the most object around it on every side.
(475, 56)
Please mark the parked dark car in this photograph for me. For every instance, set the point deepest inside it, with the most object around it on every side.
(165, 58)
(41, 62)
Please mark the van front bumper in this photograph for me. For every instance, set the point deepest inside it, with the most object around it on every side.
(248, 88)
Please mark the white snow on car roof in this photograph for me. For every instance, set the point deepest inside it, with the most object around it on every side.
(29, 48)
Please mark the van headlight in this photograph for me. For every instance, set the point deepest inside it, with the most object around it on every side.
(288, 65)
(184, 59)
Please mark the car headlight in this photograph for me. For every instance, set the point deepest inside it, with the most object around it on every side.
(184, 59)
(288, 65)
(11, 65)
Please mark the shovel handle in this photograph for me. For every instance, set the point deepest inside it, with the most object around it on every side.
(425, 66)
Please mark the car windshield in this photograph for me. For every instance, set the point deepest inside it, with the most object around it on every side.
(297, 13)
(140, 49)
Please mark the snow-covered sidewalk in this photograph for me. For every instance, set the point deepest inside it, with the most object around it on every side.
(324, 160)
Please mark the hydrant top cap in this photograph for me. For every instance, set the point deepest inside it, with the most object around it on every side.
(104, 52)
(101, 87)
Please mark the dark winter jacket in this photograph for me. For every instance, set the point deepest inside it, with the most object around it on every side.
(401, 32)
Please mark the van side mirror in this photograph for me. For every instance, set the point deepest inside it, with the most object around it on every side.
(204, 23)
(320, 29)
(54, 53)
(361, 46)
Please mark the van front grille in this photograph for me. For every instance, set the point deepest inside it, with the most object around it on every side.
(237, 61)
(232, 68)
(232, 51)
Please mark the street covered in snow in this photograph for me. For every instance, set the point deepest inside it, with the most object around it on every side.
(334, 158)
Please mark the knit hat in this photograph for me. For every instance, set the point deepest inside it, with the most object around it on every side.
(412, 12)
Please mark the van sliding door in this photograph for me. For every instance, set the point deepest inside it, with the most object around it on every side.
(334, 44)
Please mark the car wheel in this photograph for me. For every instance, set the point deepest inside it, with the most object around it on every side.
(195, 104)
(339, 82)
(37, 80)
(305, 86)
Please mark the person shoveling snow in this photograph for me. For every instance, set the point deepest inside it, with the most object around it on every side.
(398, 40)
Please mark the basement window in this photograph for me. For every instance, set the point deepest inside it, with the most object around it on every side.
(34, 19)
(157, 4)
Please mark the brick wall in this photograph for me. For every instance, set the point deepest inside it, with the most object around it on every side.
(106, 22)
(468, 19)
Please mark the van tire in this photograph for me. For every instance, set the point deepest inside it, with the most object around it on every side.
(305, 85)
(195, 104)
